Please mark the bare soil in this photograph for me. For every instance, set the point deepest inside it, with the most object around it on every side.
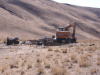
(35, 19)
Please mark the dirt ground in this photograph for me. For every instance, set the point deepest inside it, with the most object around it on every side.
(81, 58)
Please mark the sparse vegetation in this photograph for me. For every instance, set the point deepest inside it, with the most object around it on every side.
(29, 66)
(50, 49)
(59, 60)
(94, 70)
(3, 68)
(22, 72)
(56, 50)
(74, 58)
(98, 61)
(13, 66)
(84, 63)
(59, 71)
(64, 50)
(40, 71)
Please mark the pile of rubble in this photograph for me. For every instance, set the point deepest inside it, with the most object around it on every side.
(46, 42)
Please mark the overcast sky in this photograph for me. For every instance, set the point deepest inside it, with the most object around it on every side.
(88, 3)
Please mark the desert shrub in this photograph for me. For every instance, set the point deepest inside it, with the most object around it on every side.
(40, 71)
(29, 66)
(98, 61)
(64, 50)
(86, 63)
(22, 72)
(39, 60)
(13, 66)
(47, 64)
(74, 58)
(59, 70)
(94, 70)
(4, 67)
(50, 49)
(56, 50)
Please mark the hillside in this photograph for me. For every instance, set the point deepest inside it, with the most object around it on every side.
(33, 19)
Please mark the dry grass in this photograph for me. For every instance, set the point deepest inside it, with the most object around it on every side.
(39, 60)
(79, 49)
(84, 63)
(47, 64)
(74, 58)
(79, 70)
(40, 71)
(13, 66)
(50, 49)
(94, 70)
(29, 66)
(92, 48)
(22, 72)
(62, 60)
(64, 50)
(3, 68)
(23, 63)
(6, 57)
(13, 50)
(89, 54)
(98, 61)
(49, 56)
(57, 50)
(59, 71)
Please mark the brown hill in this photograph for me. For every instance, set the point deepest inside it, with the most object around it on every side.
(33, 19)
